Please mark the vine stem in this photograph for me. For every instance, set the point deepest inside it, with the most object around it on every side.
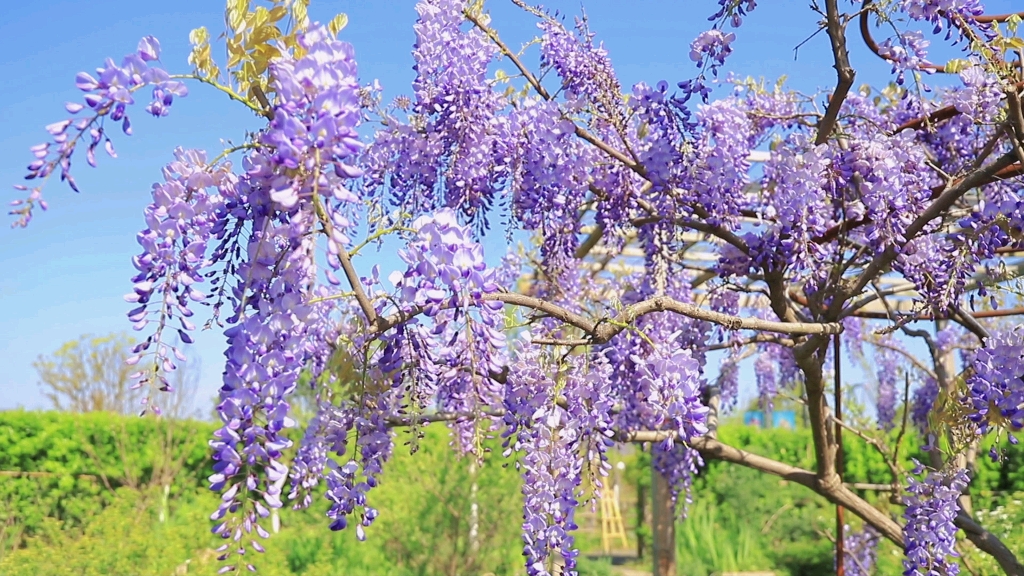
(225, 89)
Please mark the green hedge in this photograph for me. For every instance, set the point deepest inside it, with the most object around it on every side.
(69, 513)
(66, 467)
(82, 486)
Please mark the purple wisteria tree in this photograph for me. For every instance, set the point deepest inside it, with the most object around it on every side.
(841, 219)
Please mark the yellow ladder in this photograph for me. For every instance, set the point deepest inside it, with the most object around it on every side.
(611, 520)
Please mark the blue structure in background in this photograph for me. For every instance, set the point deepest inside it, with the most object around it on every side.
(780, 419)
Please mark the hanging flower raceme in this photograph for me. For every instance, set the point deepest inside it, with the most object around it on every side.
(549, 178)
(996, 385)
(108, 96)
(801, 208)
(930, 533)
(348, 441)
(454, 123)
(907, 51)
(922, 403)
(295, 181)
(558, 419)
(268, 346)
(861, 551)
(888, 371)
(657, 376)
(181, 221)
(312, 134)
(587, 74)
(452, 355)
(446, 357)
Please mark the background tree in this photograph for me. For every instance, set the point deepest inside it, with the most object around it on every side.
(90, 374)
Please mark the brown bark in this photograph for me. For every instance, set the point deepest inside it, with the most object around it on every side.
(664, 527)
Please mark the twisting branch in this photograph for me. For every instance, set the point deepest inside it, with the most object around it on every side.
(755, 339)
(346, 265)
(970, 321)
(844, 71)
(603, 330)
(836, 493)
(989, 544)
(891, 463)
(933, 211)
(399, 421)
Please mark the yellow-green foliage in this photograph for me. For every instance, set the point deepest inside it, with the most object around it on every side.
(63, 468)
(425, 499)
(82, 495)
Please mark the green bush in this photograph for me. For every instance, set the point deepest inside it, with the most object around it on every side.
(426, 502)
(64, 468)
(87, 490)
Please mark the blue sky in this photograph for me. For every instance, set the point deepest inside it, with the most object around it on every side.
(65, 275)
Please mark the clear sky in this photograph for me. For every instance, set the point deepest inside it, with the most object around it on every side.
(65, 275)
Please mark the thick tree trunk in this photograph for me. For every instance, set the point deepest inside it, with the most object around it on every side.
(664, 527)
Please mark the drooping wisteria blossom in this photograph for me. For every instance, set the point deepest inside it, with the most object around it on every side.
(861, 551)
(182, 221)
(996, 385)
(929, 533)
(107, 97)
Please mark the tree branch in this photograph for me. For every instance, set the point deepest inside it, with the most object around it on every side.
(989, 544)
(835, 493)
(844, 71)
(604, 330)
(933, 211)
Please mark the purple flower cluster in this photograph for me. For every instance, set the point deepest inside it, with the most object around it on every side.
(861, 551)
(801, 209)
(666, 395)
(276, 329)
(996, 385)
(891, 183)
(929, 533)
(922, 403)
(887, 361)
(557, 415)
(268, 346)
(720, 166)
(661, 150)
(711, 44)
(108, 96)
(710, 49)
(453, 354)
(908, 51)
(657, 379)
(585, 69)
(448, 152)
(348, 441)
(446, 359)
(939, 11)
(767, 385)
(183, 218)
(678, 463)
(734, 10)
(549, 176)
(313, 134)
(981, 97)
(728, 382)
(931, 262)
